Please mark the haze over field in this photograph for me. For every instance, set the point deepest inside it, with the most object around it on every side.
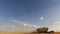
(26, 15)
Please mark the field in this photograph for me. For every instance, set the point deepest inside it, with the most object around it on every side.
(57, 33)
(14, 33)
(23, 33)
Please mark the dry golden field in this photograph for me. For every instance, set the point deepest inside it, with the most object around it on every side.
(24, 33)
(48, 33)
(14, 33)
(57, 33)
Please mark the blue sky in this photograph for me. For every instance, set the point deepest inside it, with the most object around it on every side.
(29, 11)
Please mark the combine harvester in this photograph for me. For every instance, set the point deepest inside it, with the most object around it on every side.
(42, 30)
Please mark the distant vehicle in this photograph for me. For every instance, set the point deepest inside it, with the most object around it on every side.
(43, 30)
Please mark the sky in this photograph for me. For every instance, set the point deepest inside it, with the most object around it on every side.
(25, 15)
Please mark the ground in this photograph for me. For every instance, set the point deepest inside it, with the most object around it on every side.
(22, 33)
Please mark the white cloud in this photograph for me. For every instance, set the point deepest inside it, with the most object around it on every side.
(41, 18)
(24, 24)
(27, 25)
